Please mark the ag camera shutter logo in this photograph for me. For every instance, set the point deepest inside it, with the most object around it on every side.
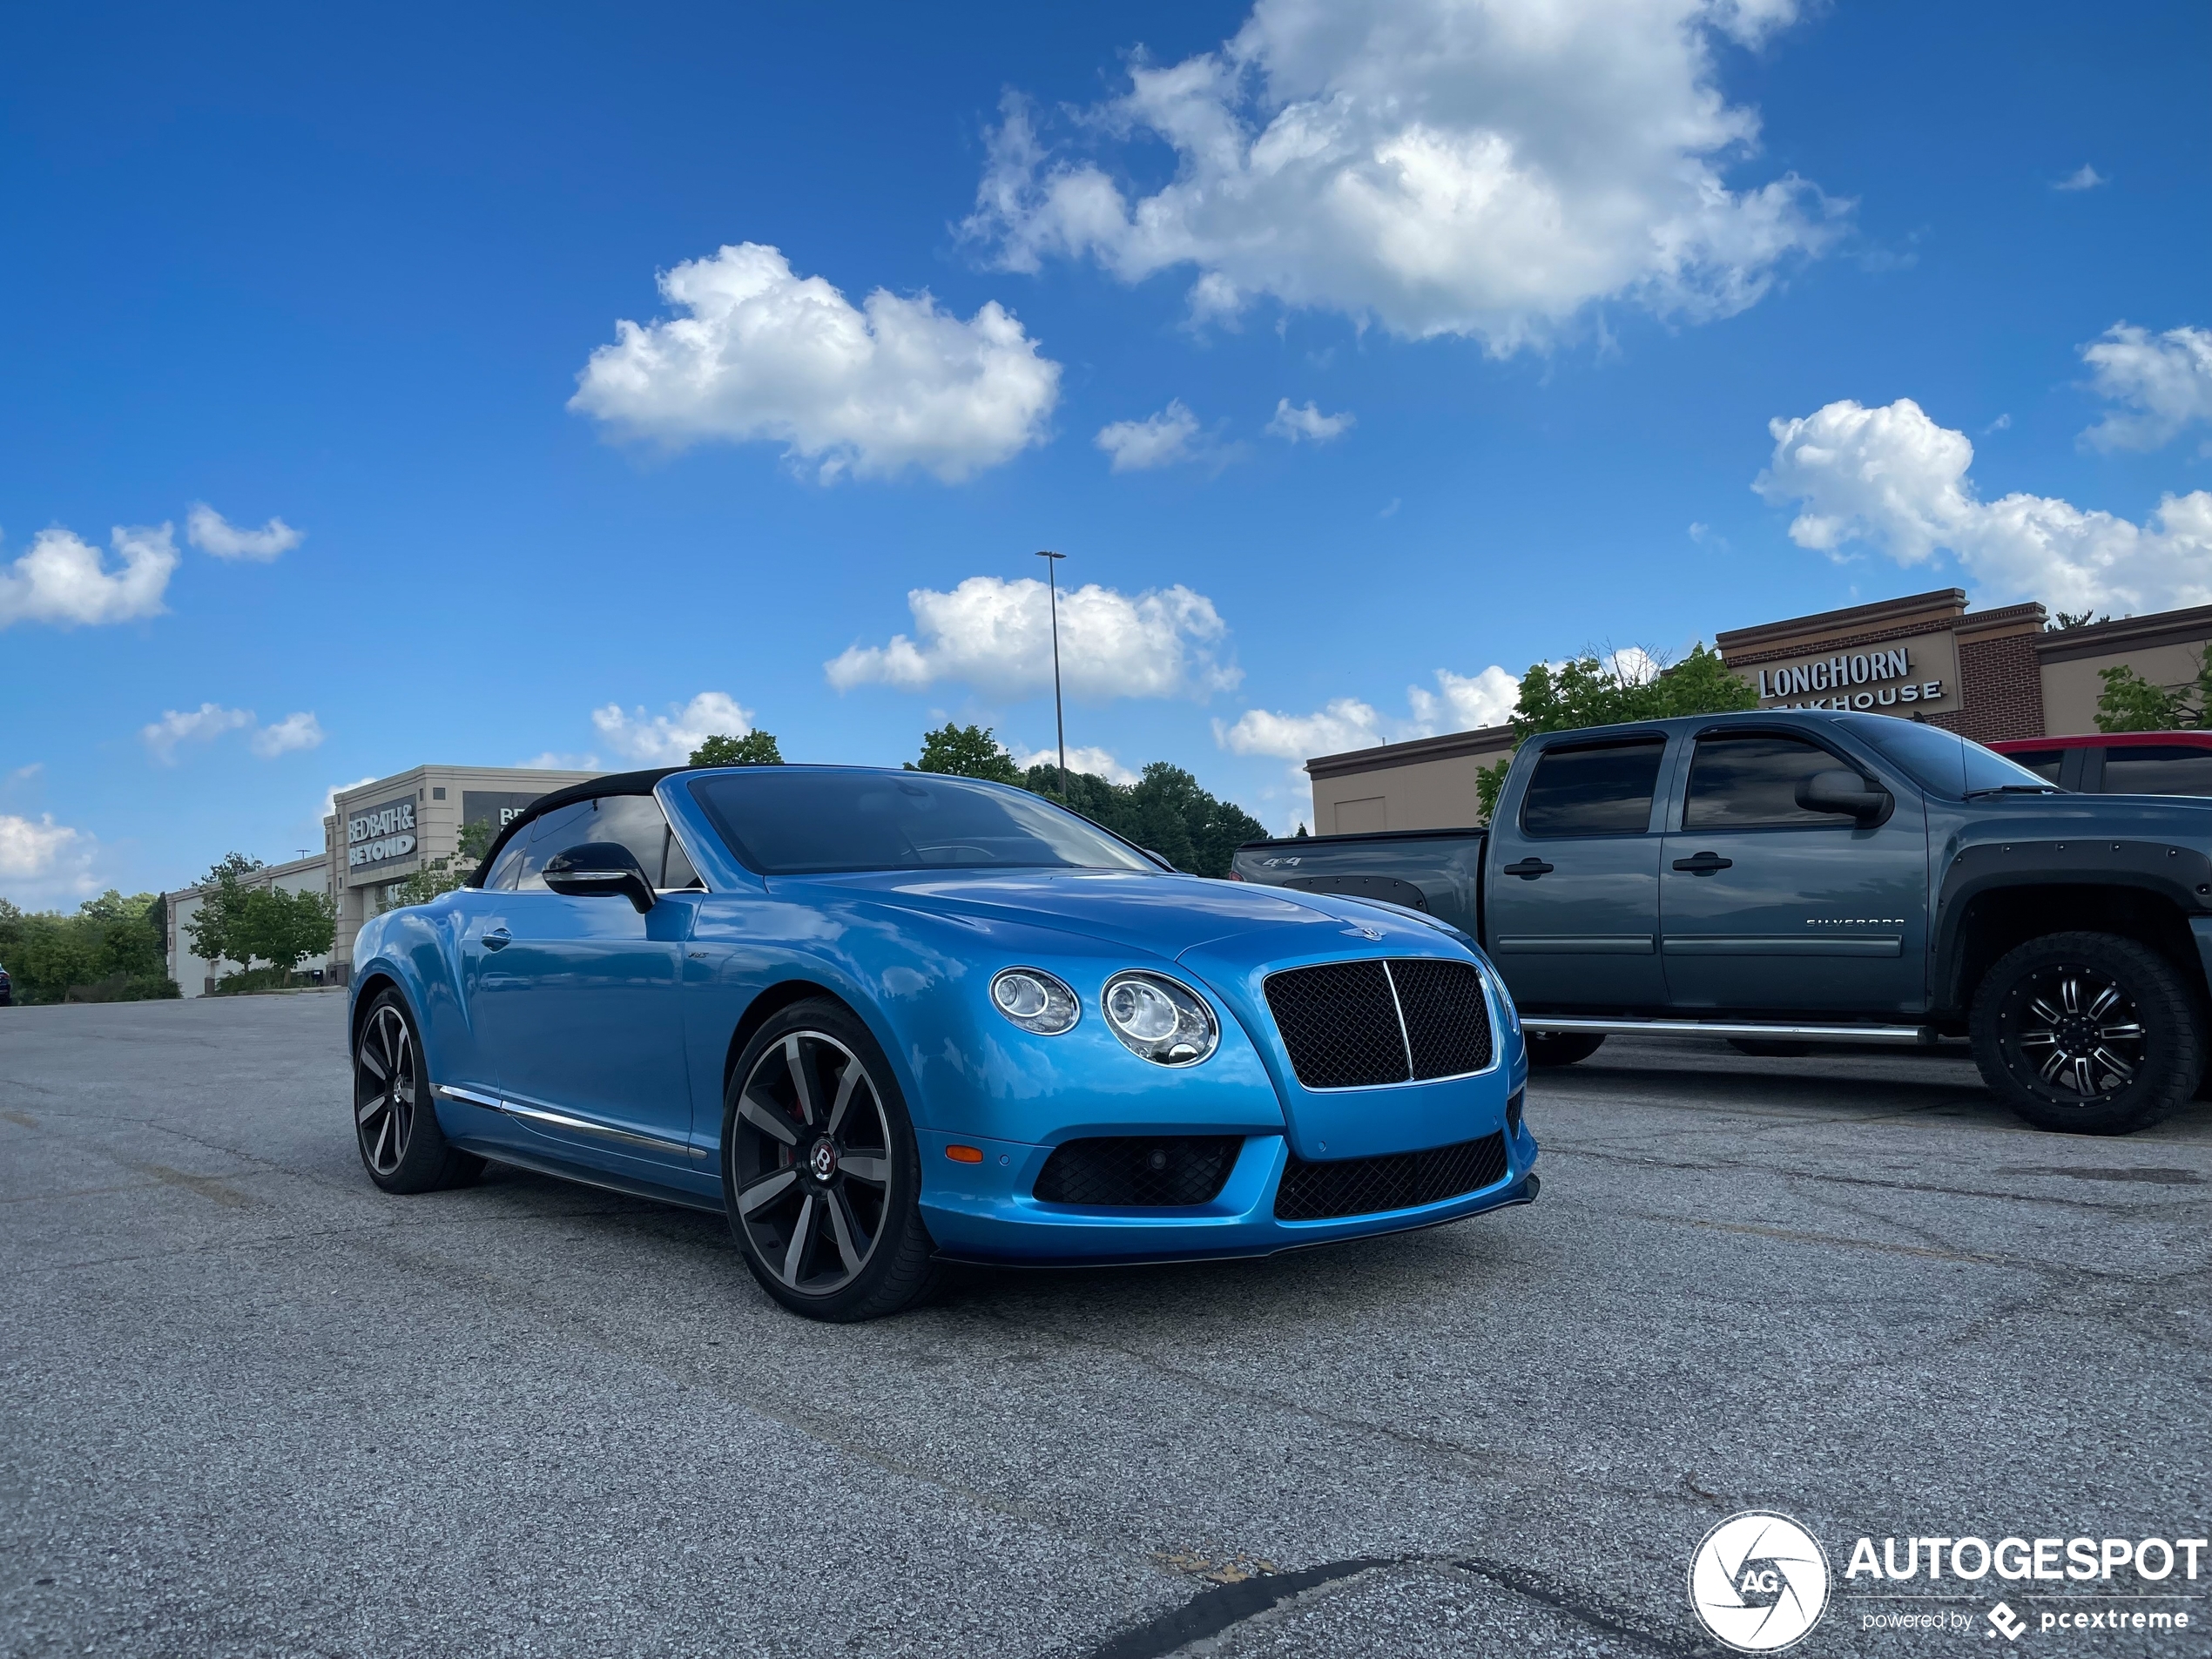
(1759, 1582)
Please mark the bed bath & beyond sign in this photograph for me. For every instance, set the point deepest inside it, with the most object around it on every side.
(1839, 678)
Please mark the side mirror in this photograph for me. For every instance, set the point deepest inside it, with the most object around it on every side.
(1843, 792)
(599, 867)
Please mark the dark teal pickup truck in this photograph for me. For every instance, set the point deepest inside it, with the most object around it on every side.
(1787, 879)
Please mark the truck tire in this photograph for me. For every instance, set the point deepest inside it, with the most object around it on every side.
(2088, 1034)
(1562, 1048)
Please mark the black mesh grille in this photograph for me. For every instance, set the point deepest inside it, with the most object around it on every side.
(1153, 1171)
(1340, 1023)
(1446, 1019)
(1395, 1181)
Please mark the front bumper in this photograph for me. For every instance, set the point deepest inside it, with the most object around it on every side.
(987, 1212)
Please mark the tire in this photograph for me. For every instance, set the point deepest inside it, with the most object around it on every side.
(821, 1179)
(1562, 1048)
(2088, 1034)
(395, 1121)
(1769, 1048)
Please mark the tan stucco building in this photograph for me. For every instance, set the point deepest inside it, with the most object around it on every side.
(1987, 674)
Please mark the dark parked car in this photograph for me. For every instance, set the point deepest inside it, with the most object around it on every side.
(7, 989)
(1792, 877)
(2120, 762)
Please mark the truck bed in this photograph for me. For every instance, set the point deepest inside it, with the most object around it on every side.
(1438, 872)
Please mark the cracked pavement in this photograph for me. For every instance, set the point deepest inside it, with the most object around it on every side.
(253, 1406)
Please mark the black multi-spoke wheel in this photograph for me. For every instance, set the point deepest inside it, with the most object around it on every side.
(819, 1169)
(394, 1123)
(2090, 1033)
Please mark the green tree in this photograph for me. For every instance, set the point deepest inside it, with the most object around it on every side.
(214, 925)
(1593, 690)
(1165, 811)
(754, 749)
(282, 928)
(113, 947)
(967, 751)
(2130, 703)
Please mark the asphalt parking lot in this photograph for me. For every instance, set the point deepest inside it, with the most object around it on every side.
(253, 1406)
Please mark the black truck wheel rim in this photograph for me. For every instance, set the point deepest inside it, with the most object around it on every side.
(810, 1163)
(2076, 1033)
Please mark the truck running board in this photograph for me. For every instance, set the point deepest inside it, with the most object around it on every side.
(1921, 1036)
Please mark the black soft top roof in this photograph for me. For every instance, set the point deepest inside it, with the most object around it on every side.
(614, 783)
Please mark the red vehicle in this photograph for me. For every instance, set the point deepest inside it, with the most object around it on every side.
(2120, 762)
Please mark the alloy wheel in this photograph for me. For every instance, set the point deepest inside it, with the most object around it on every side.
(386, 1077)
(810, 1163)
(2077, 1033)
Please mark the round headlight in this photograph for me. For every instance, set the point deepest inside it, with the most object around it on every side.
(1035, 1001)
(1159, 1019)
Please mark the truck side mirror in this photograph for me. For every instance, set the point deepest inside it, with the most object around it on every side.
(1845, 792)
(598, 867)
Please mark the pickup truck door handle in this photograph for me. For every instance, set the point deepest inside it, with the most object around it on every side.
(498, 939)
(1704, 864)
(1528, 869)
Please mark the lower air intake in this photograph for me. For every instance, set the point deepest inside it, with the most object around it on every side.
(1145, 1171)
(1318, 1191)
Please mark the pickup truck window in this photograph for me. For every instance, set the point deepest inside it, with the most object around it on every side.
(1941, 762)
(1749, 780)
(1603, 789)
(2157, 769)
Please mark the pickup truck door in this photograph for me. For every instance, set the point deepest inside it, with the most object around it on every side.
(1571, 880)
(1767, 907)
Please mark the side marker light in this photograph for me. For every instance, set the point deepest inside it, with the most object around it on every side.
(964, 1153)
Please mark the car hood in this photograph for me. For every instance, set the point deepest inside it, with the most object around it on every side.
(1165, 915)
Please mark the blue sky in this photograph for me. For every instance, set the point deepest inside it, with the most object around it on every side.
(1349, 351)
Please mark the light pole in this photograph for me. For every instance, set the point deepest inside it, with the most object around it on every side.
(1059, 724)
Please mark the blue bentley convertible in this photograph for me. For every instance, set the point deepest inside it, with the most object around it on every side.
(886, 1019)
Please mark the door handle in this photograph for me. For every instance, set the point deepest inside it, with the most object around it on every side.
(1528, 869)
(1704, 864)
(498, 939)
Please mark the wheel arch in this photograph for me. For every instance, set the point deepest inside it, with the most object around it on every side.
(773, 1001)
(1986, 923)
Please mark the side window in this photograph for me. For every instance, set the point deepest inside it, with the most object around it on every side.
(1604, 790)
(2044, 763)
(2157, 769)
(1750, 781)
(637, 822)
(680, 872)
(504, 873)
(552, 833)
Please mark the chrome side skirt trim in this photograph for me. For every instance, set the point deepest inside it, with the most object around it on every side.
(530, 1112)
(1923, 1035)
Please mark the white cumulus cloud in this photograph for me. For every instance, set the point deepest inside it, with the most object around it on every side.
(295, 731)
(1309, 423)
(45, 864)
(1444, 167)
(2165, 379)
(210, 532)
(2084, 177)
(63, 579)
(202, 724)
(1157, 441)
(1460, 703)
(1099, 762)
(761, 354)
(1894, 480)
(178, 728)
(996, 636)
(664, 739)
(330, 795)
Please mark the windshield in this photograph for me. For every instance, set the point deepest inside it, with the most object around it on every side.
(1942, 762)
(791, 821)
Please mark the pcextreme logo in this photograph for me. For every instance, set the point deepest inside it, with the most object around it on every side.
(1759, 1582)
